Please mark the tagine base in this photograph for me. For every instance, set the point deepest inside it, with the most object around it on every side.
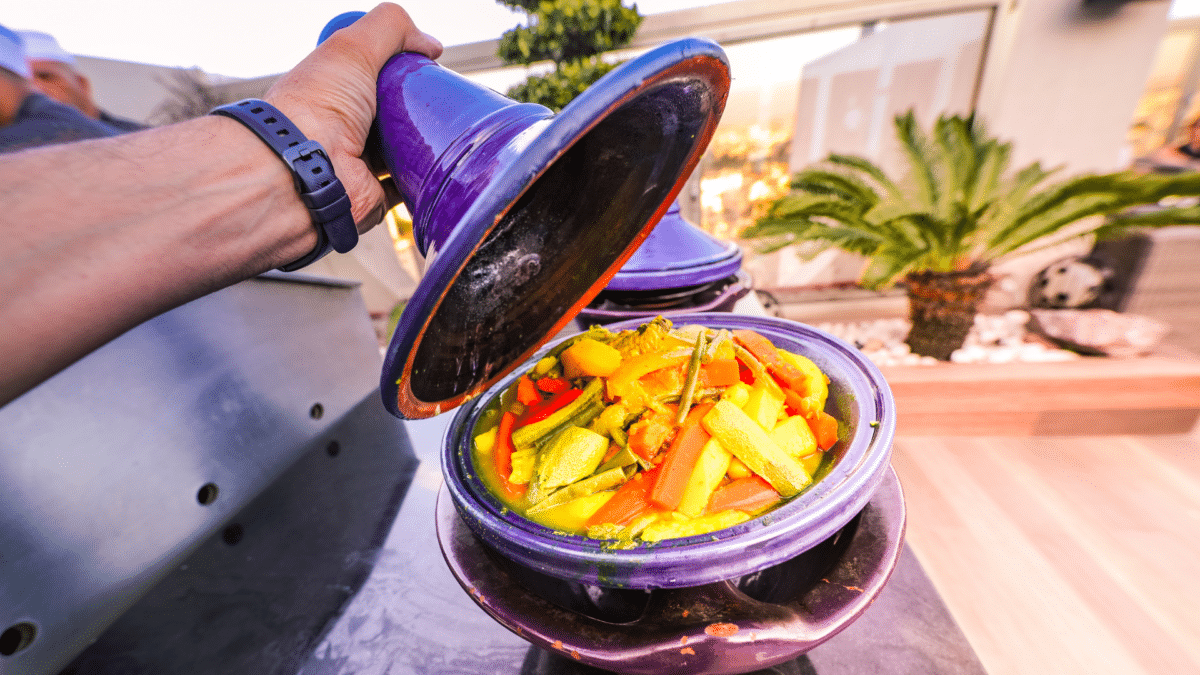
(709, 629)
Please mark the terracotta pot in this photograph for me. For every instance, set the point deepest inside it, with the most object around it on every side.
(942, 307)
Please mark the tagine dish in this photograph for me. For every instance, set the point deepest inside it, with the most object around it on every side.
(656, 433)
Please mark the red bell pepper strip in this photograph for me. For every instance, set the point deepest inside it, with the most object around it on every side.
(744, 494)
(553, 385)
(719, 373)
(628, 503)
(825, 427)
(540, 411)
(502, 456)
(527, 393)
(745, 374)
(680, 460)
(788, 375)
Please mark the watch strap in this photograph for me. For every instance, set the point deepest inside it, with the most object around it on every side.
(312, 171)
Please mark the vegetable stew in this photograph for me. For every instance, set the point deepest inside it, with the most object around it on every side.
(656, 433)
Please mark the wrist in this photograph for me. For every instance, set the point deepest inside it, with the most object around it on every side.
(274, 226)
(312, 171)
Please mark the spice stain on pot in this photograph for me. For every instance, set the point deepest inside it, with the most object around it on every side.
(721, 629)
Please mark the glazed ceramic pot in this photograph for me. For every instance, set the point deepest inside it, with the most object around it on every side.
(732, 601)
(755, 621)
(858, 397)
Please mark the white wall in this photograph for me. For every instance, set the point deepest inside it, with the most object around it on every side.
(848, 99)
(1063, 85)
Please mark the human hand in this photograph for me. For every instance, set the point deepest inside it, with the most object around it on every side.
(330, 96)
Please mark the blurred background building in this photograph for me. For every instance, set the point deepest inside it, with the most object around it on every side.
(1086, 84)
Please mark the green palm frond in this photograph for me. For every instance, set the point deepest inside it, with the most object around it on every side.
(920, 159)
(846, 186)
(1189, 215)
(958, 205)
(866, 168)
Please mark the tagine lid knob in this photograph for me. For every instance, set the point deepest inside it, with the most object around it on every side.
(677, 254)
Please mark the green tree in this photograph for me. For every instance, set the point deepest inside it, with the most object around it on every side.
(957, 210)
(572, 34)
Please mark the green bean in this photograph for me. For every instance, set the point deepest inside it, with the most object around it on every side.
(597, 482)
(693, 375)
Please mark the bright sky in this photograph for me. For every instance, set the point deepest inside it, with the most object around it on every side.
(245, 38)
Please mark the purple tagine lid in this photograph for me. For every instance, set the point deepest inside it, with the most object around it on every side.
(677, 254)
(525, 215)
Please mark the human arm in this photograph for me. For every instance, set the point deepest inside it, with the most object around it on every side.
(105, 234)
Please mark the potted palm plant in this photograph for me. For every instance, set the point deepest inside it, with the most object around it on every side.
(957, 211)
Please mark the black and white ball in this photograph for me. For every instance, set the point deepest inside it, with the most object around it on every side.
(1069, 283)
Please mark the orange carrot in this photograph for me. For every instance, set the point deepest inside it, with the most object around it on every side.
(825, 427)
(793, 401)
(719, 373)
(744, 494)
(628, 503)
(527, 393)
(680, 460)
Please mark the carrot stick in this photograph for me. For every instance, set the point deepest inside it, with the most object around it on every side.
(680, 460)
(825, 427)
(793, 401)
(628, 503)
(527, 393)
(719, 373)
(744, 494)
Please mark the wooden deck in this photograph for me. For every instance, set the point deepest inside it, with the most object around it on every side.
(1062, 554)
(1092, 396)
(1074, 554)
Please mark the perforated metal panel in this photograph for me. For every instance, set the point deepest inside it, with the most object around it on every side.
(114, 470)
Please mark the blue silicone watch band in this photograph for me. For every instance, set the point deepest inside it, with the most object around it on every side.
(312, 172)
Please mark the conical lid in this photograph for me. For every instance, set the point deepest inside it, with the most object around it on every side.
(677, 254)
(564, 206)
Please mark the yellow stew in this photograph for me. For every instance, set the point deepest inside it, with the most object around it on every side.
(656, 433)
